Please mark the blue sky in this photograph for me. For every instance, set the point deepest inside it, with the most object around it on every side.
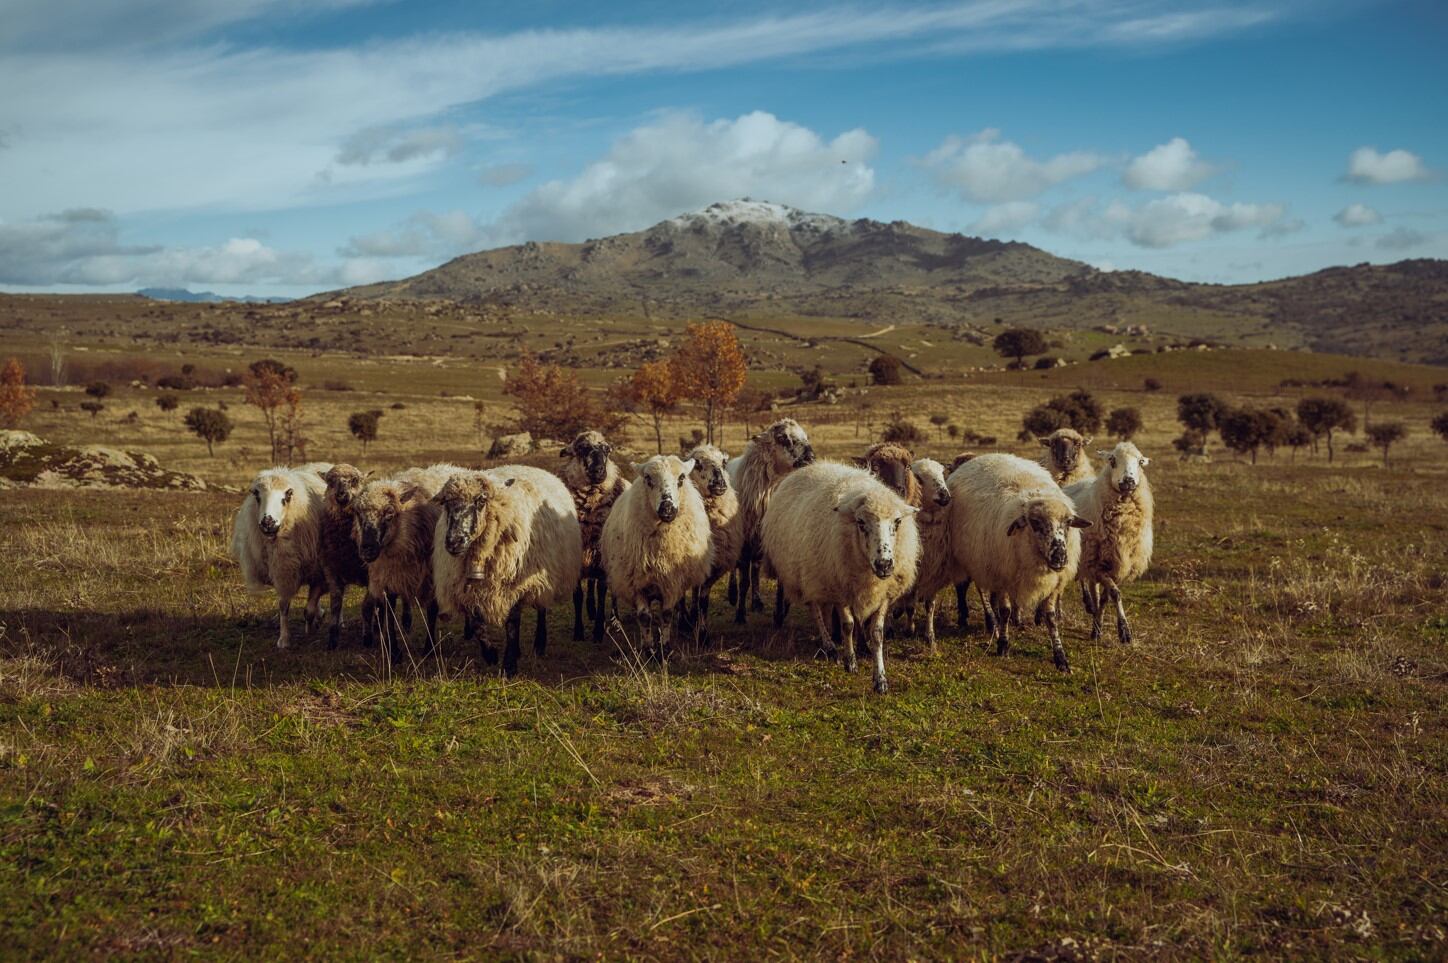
(282, 147)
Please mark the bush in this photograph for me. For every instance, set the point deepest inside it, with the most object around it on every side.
(94, 407)
(902, 431)
(1079, 410)
(211, 425)
(397, 406)
(336, 386)
(1124, 423)
(97, 389)
(885, 370)
(181, 382)
(363, 426)
(1151, 384)
(167, 402)
(1018, 343)
(1046, 362)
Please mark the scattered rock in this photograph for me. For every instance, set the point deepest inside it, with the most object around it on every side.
(511, 446)
(26, 460)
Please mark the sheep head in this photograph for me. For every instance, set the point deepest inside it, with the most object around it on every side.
(465, 499)
(710, 475)
(273, 492)
(344, 482)
(874, 525)
(890, 463)
(664, 477)
(1049, 522)
(376, 514)
(591, 450)
(1124, 466)
(1065, 446)
(786, 445)
(931, 475)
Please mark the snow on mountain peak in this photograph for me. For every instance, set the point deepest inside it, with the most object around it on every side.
(746, 210)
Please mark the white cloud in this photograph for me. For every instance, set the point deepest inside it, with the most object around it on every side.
(1366, 166)
(501, 175)
(1169, 221)
(424, 234)
(1401, 239)
(84, 247)
(1172, 166)
(989, 170)
(1357, 215)
(1005, 218)
(378, 145)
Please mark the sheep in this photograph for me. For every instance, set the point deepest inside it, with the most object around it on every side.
(596, 484)
(392, 525)
(1065, 457)
(656, 544)
(1117, 549)
(341, 565)
(770, 455)
(837, 538)
(726, 524)
(933, 572)
(275, 539)
(891, 463)
(505, 539)
(1014, 533)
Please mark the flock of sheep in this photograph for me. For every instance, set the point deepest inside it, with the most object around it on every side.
(861, 544)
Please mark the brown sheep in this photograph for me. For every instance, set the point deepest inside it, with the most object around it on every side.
(595, 482)
(341, 565)
(393, 525)
(890, 462)
(1066, 457)
(770, 455)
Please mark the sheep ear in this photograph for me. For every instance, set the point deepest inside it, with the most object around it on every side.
(1086, 440)
(724, 456)
(1143, 461)
(1016, 525)
(1045, 443)
(1078, 522)
(911, 510)
(368, 473)
(408, 494)
(637, 466)
(1103, 453)
(566, 452)
(509, 483)
(688, 466)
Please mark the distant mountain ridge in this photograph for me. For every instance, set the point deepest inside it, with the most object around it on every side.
(748, 258)
(202, 297)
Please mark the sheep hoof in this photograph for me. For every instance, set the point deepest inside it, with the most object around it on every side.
(1002, 647)
(490, 655)
(830, 652)
(1124, 632)
(282, 643)
(881, 686)
(332, 636)
(851, 664)
(1059, 657)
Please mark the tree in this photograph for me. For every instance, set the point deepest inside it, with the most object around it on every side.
(1440, 424)
(363, 426)
(270, 387)
(1384, 434)
(167, 402)
(654, 390)
(885, 369)
(711, 369)
(211, 425)
(290, 440)
(1369, 391)
(97, 389)
(1019, 342)
(553, 403)
(753, 401)
(1079, 410)
(1200, 412)
(1124, 423)
(1323, 416)
(94, 407)
(1151, 384)
(16, 397)
(902, 431)
(1244, 430)
(1297, 436)
(939, 420)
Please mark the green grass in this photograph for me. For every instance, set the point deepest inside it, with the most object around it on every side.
(1263, 772)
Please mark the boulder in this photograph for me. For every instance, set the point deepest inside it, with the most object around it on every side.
(511, 446)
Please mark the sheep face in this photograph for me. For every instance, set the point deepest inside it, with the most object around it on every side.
(890, 464)
(344, 483)
(663, 477)
(375, 514)
(1124, 465)
(463, 501)
(874, 527)
(931, 475)
(273, 494)
(1048, 524)
(709, 476)
(1066, 446)
(787, 444)
(591, 450)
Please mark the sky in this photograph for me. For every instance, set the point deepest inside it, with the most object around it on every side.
(281, 147)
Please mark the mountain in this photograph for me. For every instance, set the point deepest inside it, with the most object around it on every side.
(747, 259)
(201, 297)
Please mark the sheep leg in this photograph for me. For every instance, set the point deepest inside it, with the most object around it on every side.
(314, 607)
(334, 609)
(847, 629)
(590, 598)
(369, 612)
(1003, 621)
(284, 611)
(756, 601)
(837, 634)
(1098, 601)
(472, 625)
(740, 600)
(666, 629)
(511, 629)
(1123, 628)
(601, 615)
(1053, 628)
(407, 617)
(540, 634)
(962, 607)
(827, 642)
(1088, 598)
(781, 607)
(930, 624)
(732, 589)
(578, 610)
(877, 648)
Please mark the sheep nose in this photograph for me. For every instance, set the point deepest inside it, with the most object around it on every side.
(455, 545)
(668, 511)
(1128, 485)
(269, 525)
(1057, 558)
(883, 567)
(943, 498)
(806, 457)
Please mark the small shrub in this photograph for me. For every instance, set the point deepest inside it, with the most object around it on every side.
(211, 425)
(336, 386)
(167, 402)
(1124, 423)
(97, 389)
(1151, 384)
(885, 370)
(902, 431)
(397, 406)
(181, 382)
(363, 426)
(94, 407)
(1047, 362)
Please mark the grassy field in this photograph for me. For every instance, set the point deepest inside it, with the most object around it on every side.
(1264, 771)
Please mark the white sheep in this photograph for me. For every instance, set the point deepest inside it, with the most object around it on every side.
(596, 484)
(1014, 533)
(769, 456)
(656, 544)
(726, 524)
(275, 539)
(836, 538)
(1117, 548)
(1065, 456)
(506, 539)
(933, 521)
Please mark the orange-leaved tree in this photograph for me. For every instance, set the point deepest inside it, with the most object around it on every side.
(271, 387)
(553, 403)
(654, 390)
(711, 369)
(16, 397)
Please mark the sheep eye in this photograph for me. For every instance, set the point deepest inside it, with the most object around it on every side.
(681, 479)
(650, 480)
(1113, 463)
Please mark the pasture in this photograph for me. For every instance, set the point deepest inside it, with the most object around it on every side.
(1265, 770)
